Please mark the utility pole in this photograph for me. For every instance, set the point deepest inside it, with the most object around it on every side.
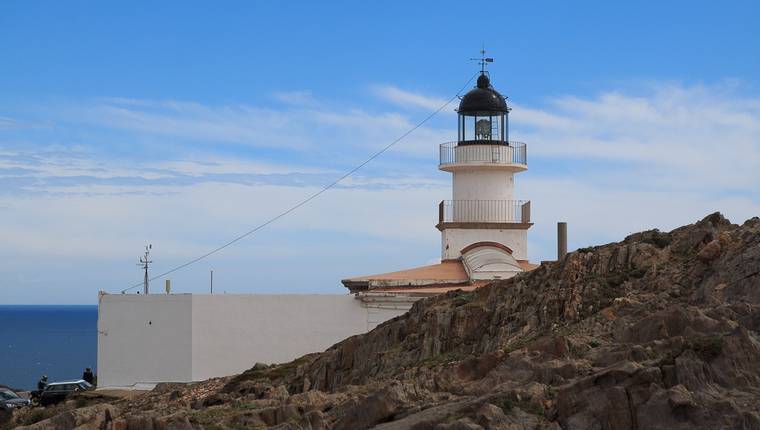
(212, 282)
(144, 262)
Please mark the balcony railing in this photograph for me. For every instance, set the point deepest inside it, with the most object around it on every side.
(512, 153)
(493, 211)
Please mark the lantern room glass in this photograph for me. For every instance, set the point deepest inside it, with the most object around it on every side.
(483, 128)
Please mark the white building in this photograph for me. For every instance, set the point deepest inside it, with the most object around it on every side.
(146, 339)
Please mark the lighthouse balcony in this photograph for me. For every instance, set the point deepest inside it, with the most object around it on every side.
(484, 214)
(502, 155)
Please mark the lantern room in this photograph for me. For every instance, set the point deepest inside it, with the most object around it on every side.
(483, 115)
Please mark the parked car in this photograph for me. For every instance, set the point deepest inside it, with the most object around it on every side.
(10, 400)
(56, 392)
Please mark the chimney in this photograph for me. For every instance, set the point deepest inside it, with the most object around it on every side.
(561, 240)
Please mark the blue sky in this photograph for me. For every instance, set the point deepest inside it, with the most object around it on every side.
(186, 123)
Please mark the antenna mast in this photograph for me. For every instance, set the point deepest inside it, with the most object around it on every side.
(144, 262)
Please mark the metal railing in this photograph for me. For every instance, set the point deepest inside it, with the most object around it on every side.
(511, 153)
(499, 211)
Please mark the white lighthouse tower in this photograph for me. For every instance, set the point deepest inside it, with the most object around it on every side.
(484, 230)
(483, 225)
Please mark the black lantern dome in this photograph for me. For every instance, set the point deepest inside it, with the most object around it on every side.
(483, 115)
(483, 99)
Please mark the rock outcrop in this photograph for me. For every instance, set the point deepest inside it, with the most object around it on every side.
(659, 331)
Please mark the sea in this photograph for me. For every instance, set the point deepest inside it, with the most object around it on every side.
(36, 340)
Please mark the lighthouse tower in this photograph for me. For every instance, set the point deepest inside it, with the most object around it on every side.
(484, 230)
(483, 225)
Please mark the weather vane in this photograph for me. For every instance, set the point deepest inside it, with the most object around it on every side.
(483, 60)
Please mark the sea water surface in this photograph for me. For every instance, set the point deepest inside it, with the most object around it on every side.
(59, 341)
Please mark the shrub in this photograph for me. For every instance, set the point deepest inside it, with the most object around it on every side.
(37, 415)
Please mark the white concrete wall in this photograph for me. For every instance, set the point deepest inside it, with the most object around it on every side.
(233, 332)
(483, 184)
(377, 315)
(383, 306)
(484, 154)
(453, 240)
(144, 339)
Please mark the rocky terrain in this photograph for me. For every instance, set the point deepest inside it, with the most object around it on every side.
(659, 331)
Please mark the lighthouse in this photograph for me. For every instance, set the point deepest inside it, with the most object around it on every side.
(483, 225)
(484, 229)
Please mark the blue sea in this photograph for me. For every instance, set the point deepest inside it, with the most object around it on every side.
(59, 341)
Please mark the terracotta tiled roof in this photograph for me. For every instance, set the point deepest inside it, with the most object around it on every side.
(426, 280)
(451, 270)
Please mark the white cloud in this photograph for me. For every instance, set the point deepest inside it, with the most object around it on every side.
(692, 137)
(194, 219)
(609, 165)
(304, 124)
(236, 124)
(598, 213)
(298, 98)
(7, 123)
(57, 174)
(45, 235)
(408, 99)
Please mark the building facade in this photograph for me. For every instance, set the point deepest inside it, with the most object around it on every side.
(144, 339)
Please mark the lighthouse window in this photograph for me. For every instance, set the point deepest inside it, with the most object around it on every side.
(483, 129)
(474, 128)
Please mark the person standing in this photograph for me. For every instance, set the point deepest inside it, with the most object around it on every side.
(88, 376)
(42, 383)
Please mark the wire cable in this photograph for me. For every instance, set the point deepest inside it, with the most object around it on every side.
(311, 197)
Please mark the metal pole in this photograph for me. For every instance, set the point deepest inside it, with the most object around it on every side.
(561, 240)
(212, 282)
(144, 262)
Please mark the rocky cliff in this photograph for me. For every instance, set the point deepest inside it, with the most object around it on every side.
(659, 331)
